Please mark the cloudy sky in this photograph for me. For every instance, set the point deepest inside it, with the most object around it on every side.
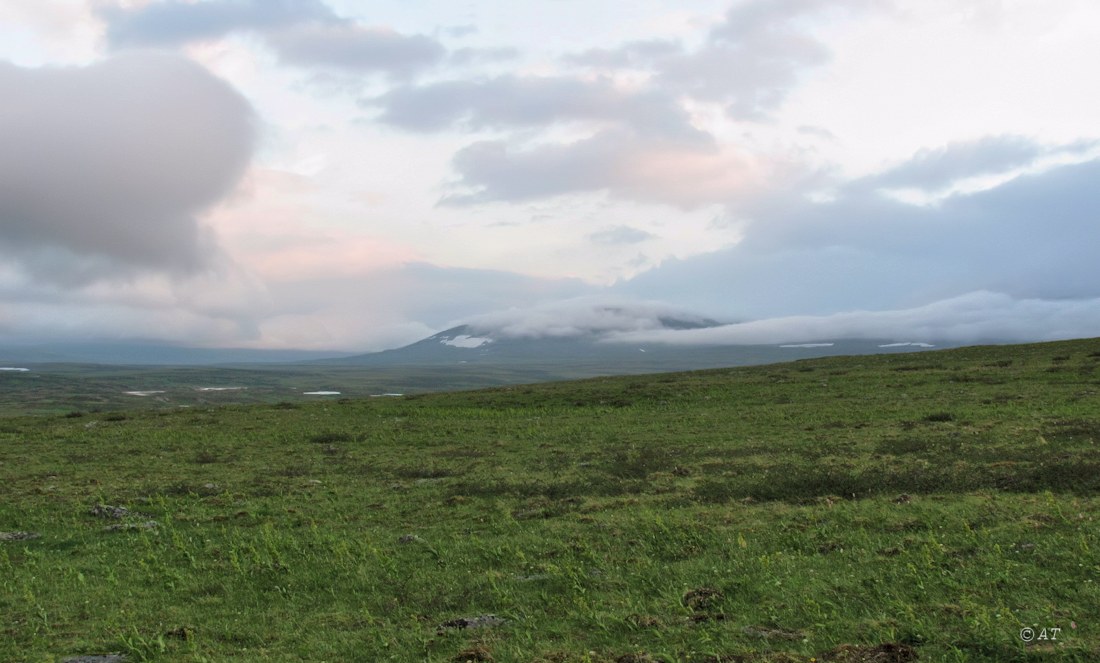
(352, 175)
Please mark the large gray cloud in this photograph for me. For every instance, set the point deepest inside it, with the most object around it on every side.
(301, 32)
(937, 168)
(1028, 238)
(639, 136)
(104, 168)
(622, 161)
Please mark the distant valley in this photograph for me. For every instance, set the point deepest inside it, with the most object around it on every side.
(114, 376)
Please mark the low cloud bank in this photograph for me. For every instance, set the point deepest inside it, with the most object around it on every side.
(583, 316)
(974, 317)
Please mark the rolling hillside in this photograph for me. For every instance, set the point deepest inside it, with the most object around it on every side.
(937, 506)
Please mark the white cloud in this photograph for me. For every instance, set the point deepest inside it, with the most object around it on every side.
(596, 315)
(974, 317)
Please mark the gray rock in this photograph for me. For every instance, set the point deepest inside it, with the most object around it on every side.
(108, 511)
(18, 536)
(126, 527)
(481, 621)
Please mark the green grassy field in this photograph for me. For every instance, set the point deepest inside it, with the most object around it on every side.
(878, 508)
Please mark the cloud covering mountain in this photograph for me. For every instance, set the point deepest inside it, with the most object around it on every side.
(593, 316)
(1026, 238)
(972, 318)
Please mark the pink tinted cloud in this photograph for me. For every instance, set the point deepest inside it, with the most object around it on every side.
(688, 177)
(281, 226)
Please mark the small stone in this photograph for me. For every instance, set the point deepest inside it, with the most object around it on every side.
(18, 536)
(127, 527)
(702, 599)
(481, 621)
(108, 511)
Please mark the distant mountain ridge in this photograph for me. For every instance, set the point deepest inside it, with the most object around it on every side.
(592, 353)
(150, 353)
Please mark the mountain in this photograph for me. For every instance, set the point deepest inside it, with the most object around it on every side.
(471, 348)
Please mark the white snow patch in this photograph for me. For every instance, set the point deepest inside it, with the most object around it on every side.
(12, 368)
(807, 345)
(466, 341)
(641, 349)
(321, 393)
(907, 345)
(384, 395)
(220, 388)
(144, 393)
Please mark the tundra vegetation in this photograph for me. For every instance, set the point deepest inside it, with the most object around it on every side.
(924, 506)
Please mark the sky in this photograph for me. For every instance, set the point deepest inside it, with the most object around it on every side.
(354, 176)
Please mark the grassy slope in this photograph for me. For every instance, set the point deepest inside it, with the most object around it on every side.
(56, 388)
(940, 501)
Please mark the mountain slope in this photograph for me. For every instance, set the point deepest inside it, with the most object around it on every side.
(466, 345)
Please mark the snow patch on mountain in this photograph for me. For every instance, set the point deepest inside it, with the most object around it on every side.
(466, 341)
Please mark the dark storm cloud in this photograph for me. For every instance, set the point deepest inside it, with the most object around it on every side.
(304, 33)
(1029, 238)
(512, 101)
(104, 168)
